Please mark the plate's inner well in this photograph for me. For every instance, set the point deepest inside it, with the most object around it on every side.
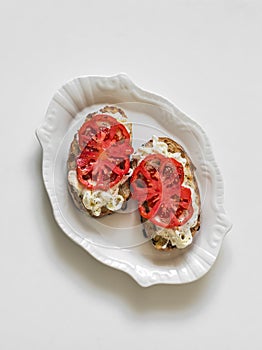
(122, 229)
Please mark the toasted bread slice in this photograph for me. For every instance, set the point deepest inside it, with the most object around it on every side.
(177, 237)
(75, 188)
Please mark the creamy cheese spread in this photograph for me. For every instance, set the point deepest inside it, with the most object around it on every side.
(95, 200)
(160, 148)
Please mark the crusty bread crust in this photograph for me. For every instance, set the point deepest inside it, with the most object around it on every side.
(74, 152)
(159, 242)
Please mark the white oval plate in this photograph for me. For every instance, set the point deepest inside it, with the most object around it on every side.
(118, 240)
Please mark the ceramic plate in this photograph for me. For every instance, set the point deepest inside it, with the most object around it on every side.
(117, 240)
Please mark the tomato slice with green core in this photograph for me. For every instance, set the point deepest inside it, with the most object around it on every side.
(104, 159)
(157, 186)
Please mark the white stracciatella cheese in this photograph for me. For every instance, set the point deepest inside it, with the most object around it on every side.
(157, 147)
(95, 200)
(180, 237)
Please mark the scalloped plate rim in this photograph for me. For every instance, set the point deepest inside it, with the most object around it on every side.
(87, 246)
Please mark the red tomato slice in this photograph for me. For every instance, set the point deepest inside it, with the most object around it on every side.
(105, 158)
(174, 211)
(98, 123)
(149, 207)
(145, 184)
(157, 185)
(171, 172)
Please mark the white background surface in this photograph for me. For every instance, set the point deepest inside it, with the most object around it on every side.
(205, 56)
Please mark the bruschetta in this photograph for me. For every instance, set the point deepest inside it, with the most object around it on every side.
(164, 184)
(98, 166)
